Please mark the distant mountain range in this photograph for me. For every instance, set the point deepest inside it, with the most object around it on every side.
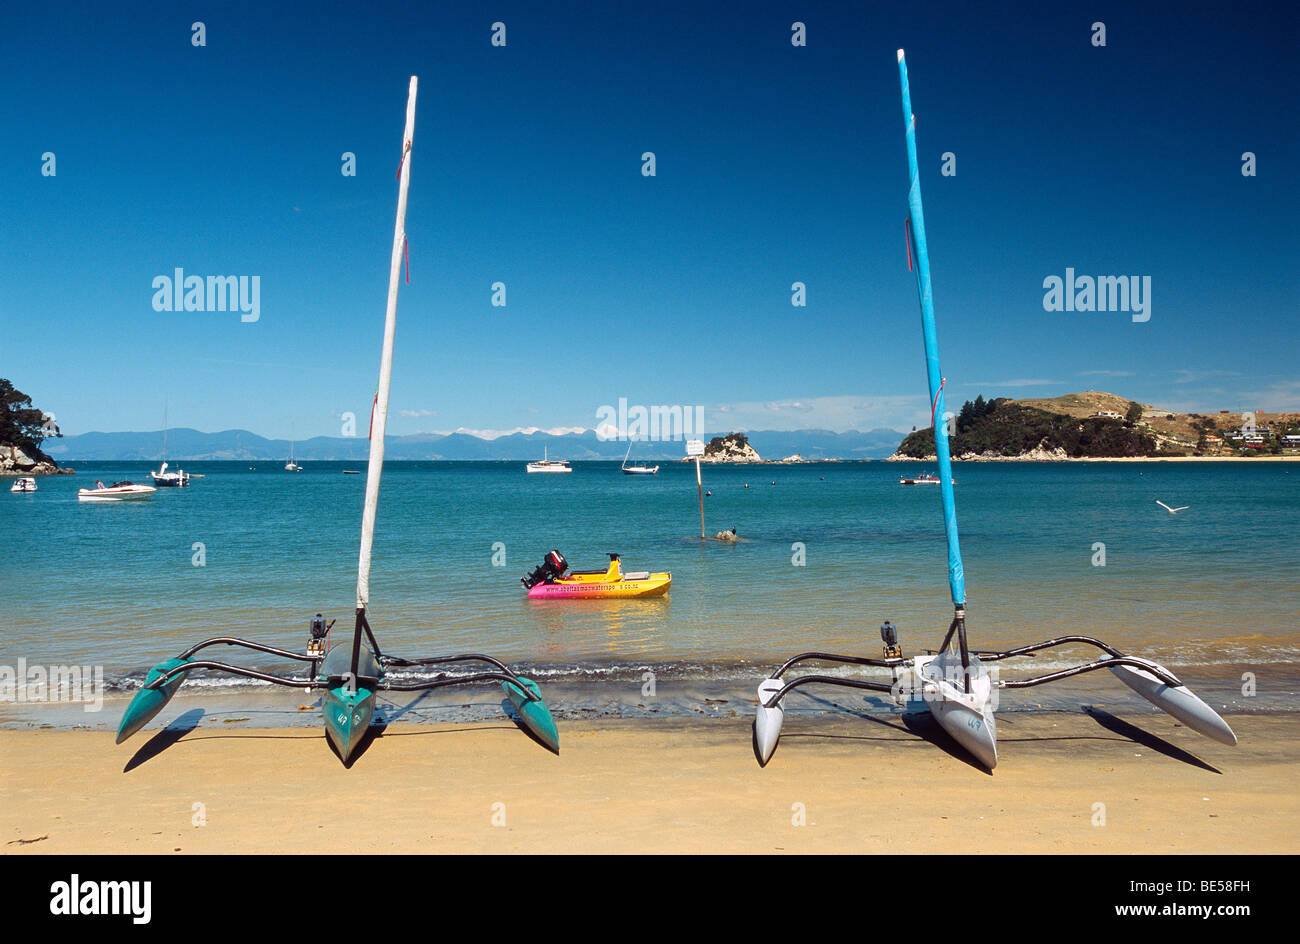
(190, 445)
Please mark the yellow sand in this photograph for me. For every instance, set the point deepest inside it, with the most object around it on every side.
(659, 786)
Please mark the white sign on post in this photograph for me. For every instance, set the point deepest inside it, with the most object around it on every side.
(694, 447)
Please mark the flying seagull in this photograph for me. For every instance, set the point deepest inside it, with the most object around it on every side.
(1172, 511)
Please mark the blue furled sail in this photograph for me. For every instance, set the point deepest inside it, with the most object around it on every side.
(956, 577)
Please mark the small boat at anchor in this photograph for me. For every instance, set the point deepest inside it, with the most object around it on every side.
(162, 478)
(550, 582)
(24, 484)
(291, 466)
(925, 478)
(547, 464)
(118, 491)
(637, 469)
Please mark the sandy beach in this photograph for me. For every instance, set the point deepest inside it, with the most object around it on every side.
(834, 785)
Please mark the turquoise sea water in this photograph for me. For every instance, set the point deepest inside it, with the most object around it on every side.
(116, 584)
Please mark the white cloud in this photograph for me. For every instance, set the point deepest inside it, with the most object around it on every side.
(418, 412)
(837, 413)
(491, 434)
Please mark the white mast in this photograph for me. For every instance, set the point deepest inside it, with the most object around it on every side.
(376, 466)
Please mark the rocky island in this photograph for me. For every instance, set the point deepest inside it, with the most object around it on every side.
(734, 447)
(1095, 425)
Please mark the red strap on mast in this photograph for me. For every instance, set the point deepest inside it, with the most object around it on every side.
(935, 405)
(406, 150)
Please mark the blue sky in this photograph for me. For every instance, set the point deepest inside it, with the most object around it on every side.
(775, 164)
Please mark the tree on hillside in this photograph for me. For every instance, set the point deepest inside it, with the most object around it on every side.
(1134, 412)
(965, 417)
(973, 410)
(21, 424)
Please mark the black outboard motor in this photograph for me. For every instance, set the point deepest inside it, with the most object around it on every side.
(316, 646)
(889, 635)
(553, 565)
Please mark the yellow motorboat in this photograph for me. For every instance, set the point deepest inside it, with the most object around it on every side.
(550, 582)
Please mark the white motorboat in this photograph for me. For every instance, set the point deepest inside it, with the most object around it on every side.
(546, 464)
(25, 484)
(924, 478)
(118, 491)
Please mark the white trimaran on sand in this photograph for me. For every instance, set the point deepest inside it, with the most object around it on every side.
(349, 675)
(953, 683)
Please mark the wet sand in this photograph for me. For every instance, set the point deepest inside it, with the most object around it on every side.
(847, 784)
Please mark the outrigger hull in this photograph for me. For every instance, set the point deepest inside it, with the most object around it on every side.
(768, 721)
(1179, 701)
(149, 701)
(533, 712)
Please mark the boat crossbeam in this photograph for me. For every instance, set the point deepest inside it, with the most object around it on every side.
(256, 646)
(826, 680)
(832, 657)
(401, 662)
(386, 685)
(994, 656)
(1163, 674)
(165, 677)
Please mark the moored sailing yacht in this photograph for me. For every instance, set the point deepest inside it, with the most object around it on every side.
(546, 464)
(640, 469)
(162, 478)
(291, 466)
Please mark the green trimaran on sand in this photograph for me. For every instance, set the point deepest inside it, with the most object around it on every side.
(349, 677)
(953, 684)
